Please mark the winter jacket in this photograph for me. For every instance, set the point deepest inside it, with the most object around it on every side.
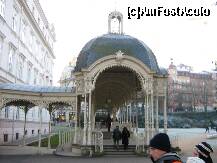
(116, 134)
(169, 158)
(125, 137)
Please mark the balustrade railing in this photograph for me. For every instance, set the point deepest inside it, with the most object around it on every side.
(97, 141)
(140, 141)
(66, 137)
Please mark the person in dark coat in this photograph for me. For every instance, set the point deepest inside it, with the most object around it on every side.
(203, 151)
(116, 137)
(108, 122)
(160, 150)
(207, 129)
(125, 137)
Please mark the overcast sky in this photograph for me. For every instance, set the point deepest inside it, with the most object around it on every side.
(188, 40)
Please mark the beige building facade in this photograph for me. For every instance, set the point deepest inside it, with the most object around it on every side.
(190, 91)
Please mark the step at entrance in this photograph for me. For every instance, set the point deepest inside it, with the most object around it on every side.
(111, 150)
(107, 135)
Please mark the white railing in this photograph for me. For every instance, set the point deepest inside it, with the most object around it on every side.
(97, 141)
(65, 137)
(174, 140)
(140, 141)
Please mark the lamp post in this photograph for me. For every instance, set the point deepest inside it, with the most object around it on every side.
(13, 127)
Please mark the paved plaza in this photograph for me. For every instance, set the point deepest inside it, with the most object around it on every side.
(56, 159)
(187, 138)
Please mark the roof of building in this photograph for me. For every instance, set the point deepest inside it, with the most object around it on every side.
(109, 44)
(35, 89)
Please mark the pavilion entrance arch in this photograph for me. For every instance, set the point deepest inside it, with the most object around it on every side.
(98, 85)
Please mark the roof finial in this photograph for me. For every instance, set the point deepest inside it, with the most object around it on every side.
(115, 23)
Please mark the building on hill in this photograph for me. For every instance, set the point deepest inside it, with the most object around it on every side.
(190, 91)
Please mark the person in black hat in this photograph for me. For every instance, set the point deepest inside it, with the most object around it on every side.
(203, 151)
(160, 150)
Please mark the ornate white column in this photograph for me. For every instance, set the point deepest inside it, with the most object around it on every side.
(165, 107)
(85, 121)
(89, 120)
(49, 136)
(41, 105)
(76, 119)
(67, 116)
(152, 114)
(1, 101)
(157, 114)
(127, 113)
(130, 114)
(156, 106)
(147, 119)
(124, 115)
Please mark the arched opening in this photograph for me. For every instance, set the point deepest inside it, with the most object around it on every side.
(115, 89)
(18, 107)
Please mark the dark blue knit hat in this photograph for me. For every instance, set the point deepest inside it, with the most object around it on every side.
(161, 141)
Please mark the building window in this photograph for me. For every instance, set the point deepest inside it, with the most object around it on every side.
(6, 112)
(31, 41)
(20, 66)
(17, 136)
(15, 20)
(39, 21)
(35, 76)
(1, 47)
(47, 81)
(18, 113)
(23, 31)
(33, 10)
(37, 48)
(38, 113)
(11, 56)
(2, 8)
(29, 70)
(5, 137)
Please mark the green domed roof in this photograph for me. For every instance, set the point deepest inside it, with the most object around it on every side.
(109, 44)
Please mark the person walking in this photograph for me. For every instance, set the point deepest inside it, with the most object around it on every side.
(160, 150)
(203, 151)
(207, 129)
(125, 137)
(108, 122)
(116, 137)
